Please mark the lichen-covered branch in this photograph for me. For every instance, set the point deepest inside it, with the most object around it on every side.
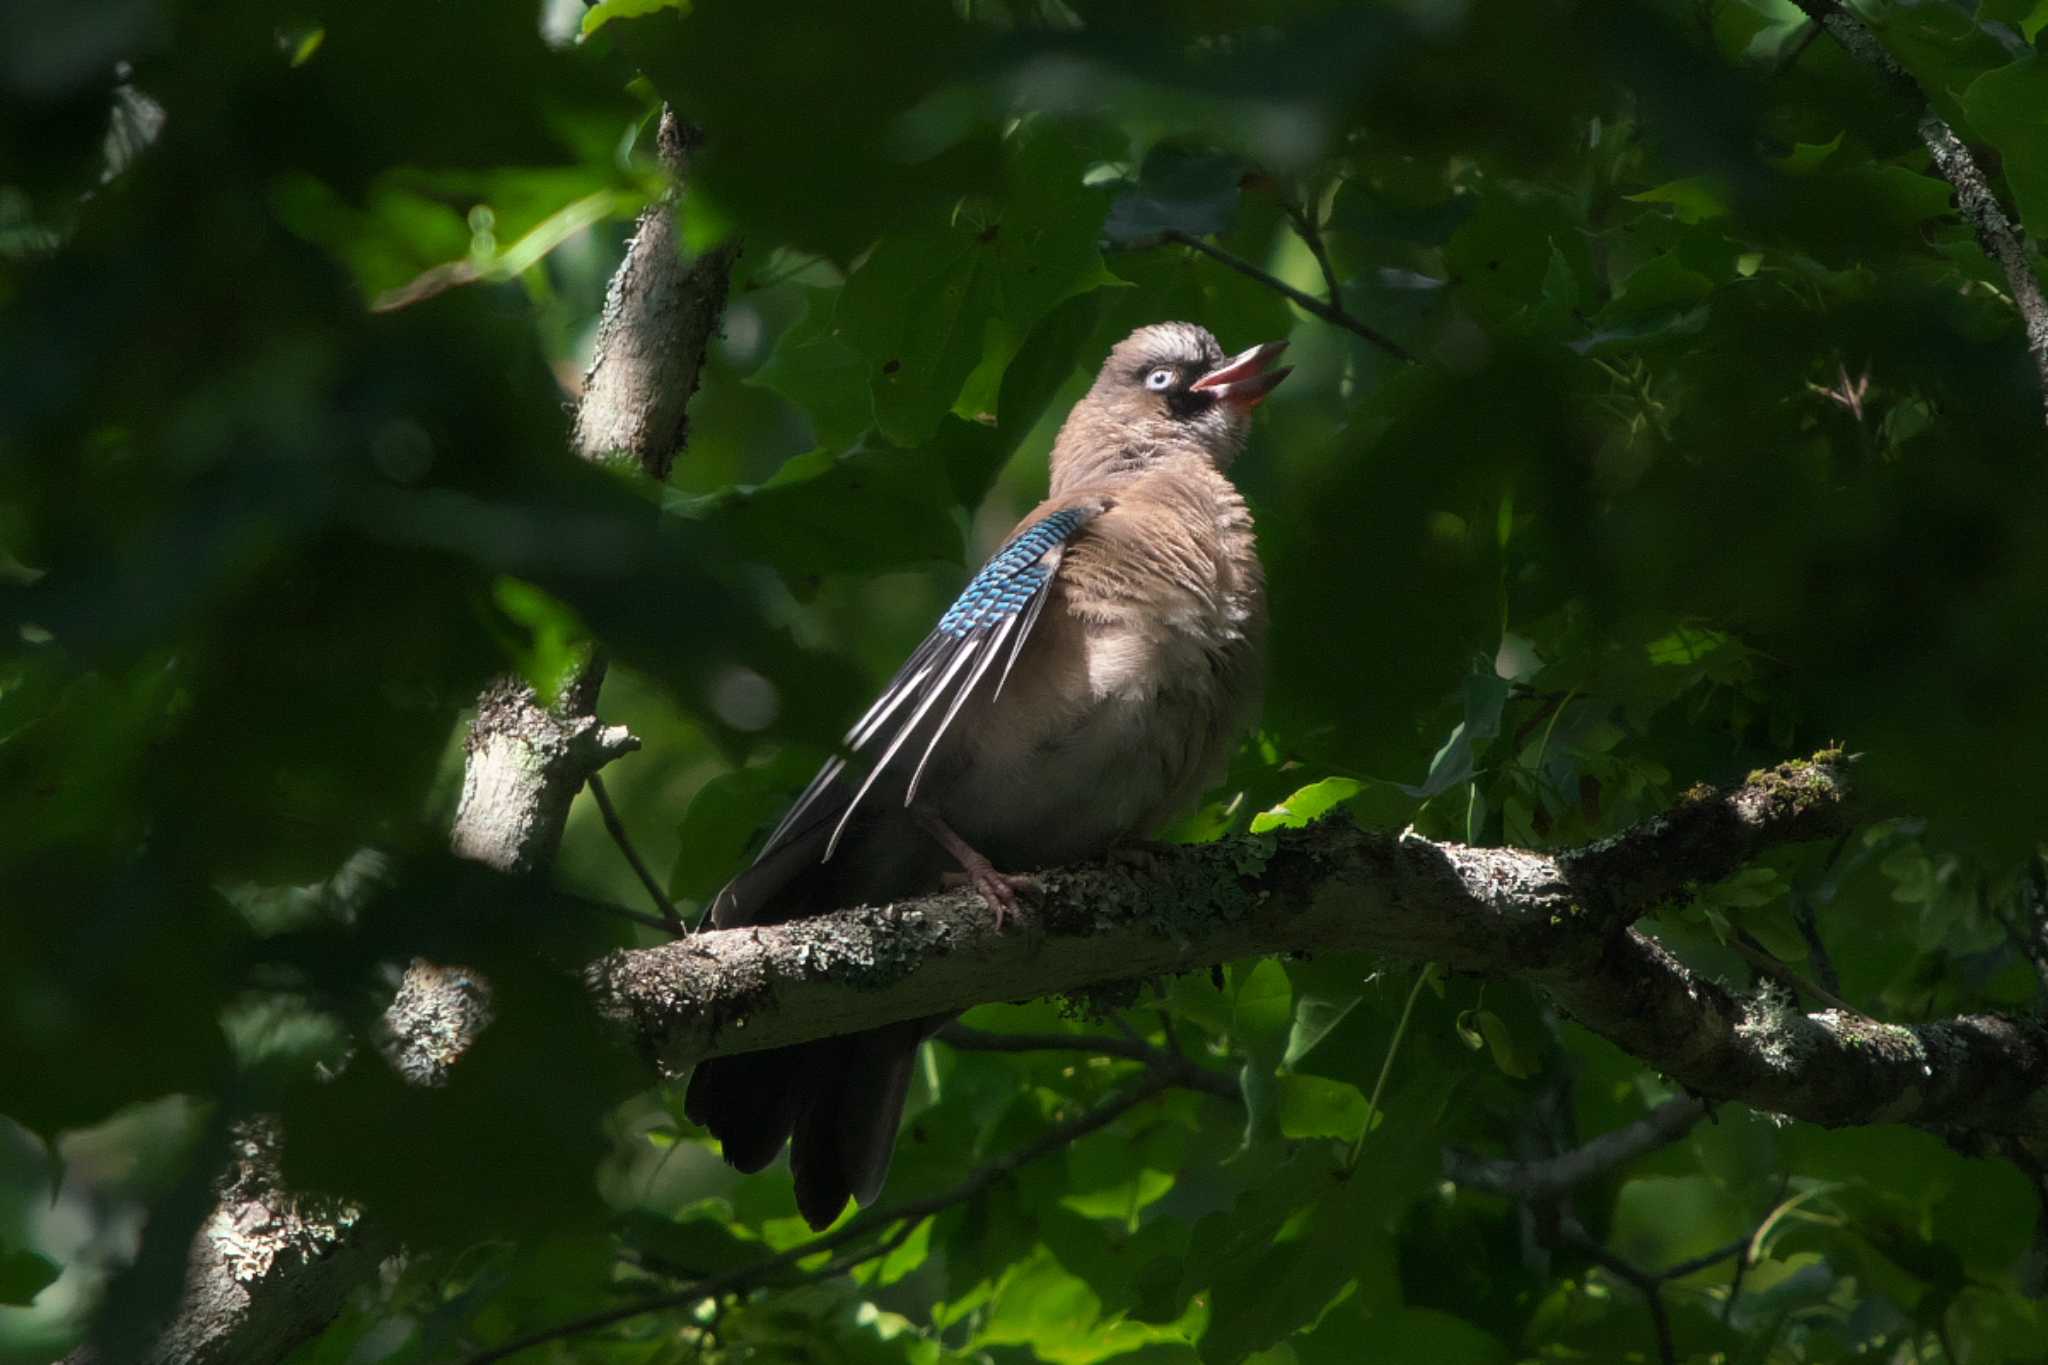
(267, 1269)
(2000, 237)
(1560, 922)
(659, 314)
(524, 763)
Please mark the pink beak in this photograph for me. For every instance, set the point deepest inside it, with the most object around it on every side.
(1244, 379)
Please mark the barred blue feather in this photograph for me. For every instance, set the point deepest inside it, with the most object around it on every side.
(1008, 582)
(999, 605)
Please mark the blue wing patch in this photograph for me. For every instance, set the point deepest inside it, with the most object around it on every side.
(999, 606)
(1008, 582)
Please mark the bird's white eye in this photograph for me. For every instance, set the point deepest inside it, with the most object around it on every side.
(1160, 379)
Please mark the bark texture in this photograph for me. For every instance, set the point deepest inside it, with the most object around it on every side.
(1562, 922)
(267, 1269)
(658, 315)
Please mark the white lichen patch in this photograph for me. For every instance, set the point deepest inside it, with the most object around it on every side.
(1774, 1030)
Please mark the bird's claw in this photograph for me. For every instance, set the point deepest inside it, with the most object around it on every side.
(999, 889)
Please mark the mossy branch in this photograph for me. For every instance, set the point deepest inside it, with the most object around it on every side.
(1562, 922)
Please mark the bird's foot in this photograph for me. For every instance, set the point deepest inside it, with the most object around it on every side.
(999, 889)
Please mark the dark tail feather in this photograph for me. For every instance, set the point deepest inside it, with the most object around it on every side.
(749, 1102)
(847, 1132)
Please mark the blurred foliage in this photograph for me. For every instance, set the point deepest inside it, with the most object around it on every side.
(1724, 445)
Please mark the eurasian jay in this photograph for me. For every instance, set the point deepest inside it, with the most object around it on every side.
(1086, 687)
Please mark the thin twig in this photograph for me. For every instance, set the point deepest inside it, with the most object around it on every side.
(1755, 955)
(1808, 920)
(1379, 1085)
(1789, 57)
(861, 1226)
(853, 1259)
(1651, 1287)
(1548, 1178)
(637, 916)
(1172, 1035)
(1173, 1067)
(1650, 1283)
(1734, 1287)
(1308, 303)
(1311, 234)
(1700, 1262)
(670, 919)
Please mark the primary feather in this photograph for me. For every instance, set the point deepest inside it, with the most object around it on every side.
(1005, 597)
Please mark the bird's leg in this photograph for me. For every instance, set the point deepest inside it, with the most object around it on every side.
(999, 889)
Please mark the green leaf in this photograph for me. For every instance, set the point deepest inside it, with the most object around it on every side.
(931, 310)
(604, 11)
(1193, 189)
(1897, 198)
(1806, 157)
(555, 645)
(1314, 1017)
(1429, 1334)
(1661, 1219)
(1318, 1107)
(1687, 646)
(1659, 286)
(1424, 212)
(1194, 996)
(2009, 107)
(1262, 1009)
(819, 371)
(1486, 692)
(1943, 46)
(1307, 804)
(1695, 199)
(1296, 1243)
(1511, 1057)
(698, 1240)
(723, 818)
(25, 1274)
(870, 507)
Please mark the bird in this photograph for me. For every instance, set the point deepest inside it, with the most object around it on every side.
(1087, 686)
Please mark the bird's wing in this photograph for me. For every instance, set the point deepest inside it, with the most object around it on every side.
(991, 619)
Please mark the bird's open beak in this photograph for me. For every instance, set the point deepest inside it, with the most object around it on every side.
(1244, 379)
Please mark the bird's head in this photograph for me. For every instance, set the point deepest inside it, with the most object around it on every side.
(1169, 387)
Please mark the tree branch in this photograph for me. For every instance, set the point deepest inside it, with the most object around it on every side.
(1559, 922)
(2000, 237)
(1302, 214)
(1308, 303)
(658, 316)
(1537, 1182)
